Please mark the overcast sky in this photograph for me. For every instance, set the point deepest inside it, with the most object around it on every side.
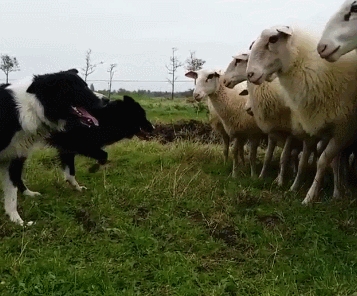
(47, 36)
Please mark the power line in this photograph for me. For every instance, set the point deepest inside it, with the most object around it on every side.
(123, 80)
(127, 80)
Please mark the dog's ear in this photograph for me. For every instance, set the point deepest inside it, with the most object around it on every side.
(33, 88)
(74, 71)
(128, 99)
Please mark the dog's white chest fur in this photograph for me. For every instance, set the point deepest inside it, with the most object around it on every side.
(34, 124)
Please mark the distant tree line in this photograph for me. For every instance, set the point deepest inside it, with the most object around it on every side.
(150, 94)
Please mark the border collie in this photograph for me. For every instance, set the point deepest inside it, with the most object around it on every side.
(29, 110)
(119, 119)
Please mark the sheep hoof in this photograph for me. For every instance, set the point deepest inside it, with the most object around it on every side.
(262, 175)
(278, 181)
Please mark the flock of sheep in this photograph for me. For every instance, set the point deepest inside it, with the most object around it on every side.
(298, 90)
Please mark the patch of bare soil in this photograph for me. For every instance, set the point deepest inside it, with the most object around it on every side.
(193, 130)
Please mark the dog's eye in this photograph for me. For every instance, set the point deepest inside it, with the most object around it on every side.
(273, 39)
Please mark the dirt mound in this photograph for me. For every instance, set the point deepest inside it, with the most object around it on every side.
(192, 130)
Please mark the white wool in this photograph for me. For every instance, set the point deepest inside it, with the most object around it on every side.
(319, 92)
(230, 107)
(323, 94)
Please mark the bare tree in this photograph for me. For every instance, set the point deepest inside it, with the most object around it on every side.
(9, 64)
(172, 68)
(111, 74)
(89, 68)
(193, 63)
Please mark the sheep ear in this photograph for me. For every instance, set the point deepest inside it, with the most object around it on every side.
(191, 74)
(244, 92)
(285, 30)
(242, 56)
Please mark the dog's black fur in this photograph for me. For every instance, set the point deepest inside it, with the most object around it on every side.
(29, 110)
(118, 120)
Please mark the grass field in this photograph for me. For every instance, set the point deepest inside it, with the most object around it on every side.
(169, 220)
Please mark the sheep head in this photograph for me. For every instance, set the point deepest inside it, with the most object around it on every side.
(340, 34)
(269, 53)
(236, 70)
(207, 82)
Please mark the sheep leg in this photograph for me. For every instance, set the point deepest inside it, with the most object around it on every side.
(340, 165)
(226, 141)
(235, 152)
(284, 160)
(240, 143)
(314, 156)
(254, 143)
(295, 160)
(268, 156)
(303, 163)
(330, 152)
(353, 169)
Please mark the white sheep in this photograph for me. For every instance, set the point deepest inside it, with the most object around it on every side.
(218, 127)
(229, 105)
(324, 95)
(273, 117)
(340, 34)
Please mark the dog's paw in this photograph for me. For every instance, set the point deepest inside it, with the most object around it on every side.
(15, 217)
(94, 168)
(28, 192)
(81, 188)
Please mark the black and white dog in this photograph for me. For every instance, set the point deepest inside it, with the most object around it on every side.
(119, 119)
(29, 110)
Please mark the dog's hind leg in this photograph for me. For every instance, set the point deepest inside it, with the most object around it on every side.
(67, 162)
(10, 197)
(16, 168)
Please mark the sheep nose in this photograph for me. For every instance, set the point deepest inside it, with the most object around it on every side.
(250, 75)
(225, 81)
(196, 96)
(321, 47)
(249, 111)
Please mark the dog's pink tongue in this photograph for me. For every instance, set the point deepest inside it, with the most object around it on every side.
(87, 115)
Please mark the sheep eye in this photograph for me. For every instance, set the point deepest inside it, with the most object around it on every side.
(273, 39)
(237, 61)
(354, 8)
(210, 76)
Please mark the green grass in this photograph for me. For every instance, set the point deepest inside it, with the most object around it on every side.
(167, 111)
(169, 220)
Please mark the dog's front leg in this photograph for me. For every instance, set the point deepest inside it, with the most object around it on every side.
(16, 168)
(67, 162)
(10, 197)
(101, 156)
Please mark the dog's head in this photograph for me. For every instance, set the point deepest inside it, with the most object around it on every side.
(128, 118)
(66, 96)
